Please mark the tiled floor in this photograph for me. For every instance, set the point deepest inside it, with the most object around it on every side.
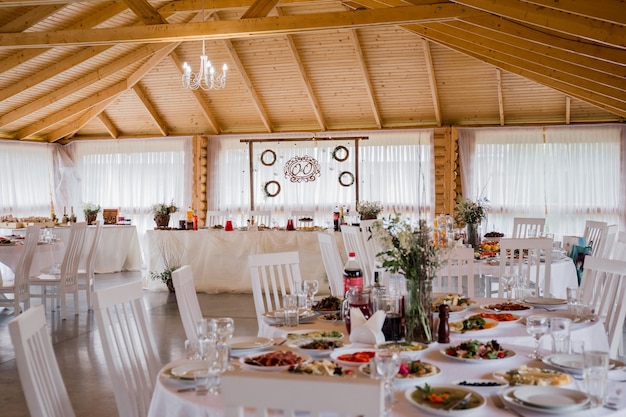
(80, 357)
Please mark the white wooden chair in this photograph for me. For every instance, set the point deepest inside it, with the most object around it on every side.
(372, 248)
(604, 289)
(86, 276)
(524, 227)
(42, 383)
(216, 218)
(187, 300)
(129, 349)
(609, 242)
(619, 249)
(456, 272)
(353, 242)
(292, 394)
(333, 265)
(516, 257)
(261, 217)
(272, 275)
(595, 236)
(58, 286)
(20, 287)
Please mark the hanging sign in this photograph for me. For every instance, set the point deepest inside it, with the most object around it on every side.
(302, 169)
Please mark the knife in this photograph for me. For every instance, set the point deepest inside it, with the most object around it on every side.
(459, 402)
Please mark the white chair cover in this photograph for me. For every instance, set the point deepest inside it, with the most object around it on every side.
(187, 300)
(333, 265)
(353, 242)
(524, 227)
(595, 236)
(522, 257)
(456, 274)
(86, 276)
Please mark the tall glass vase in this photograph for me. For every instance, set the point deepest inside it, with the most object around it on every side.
(473, 234)
(418, 313)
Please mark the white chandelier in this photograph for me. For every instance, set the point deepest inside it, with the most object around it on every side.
(207, 78)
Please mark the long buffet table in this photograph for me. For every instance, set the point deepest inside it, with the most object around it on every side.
(219, 259)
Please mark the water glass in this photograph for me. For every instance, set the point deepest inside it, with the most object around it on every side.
(310, 287)
(595, 370)
(224, 328)
(201, 379)
(387, 366)
(560, 332)
(575, 302)
(290, 307)
(191, 349)
(536, 326)
(509, 281)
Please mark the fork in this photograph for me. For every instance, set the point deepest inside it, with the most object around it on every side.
(497, 401)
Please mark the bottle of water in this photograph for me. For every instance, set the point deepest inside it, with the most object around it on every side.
(352, 273)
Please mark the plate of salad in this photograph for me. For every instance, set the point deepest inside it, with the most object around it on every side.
(473, 324)
(445, 400)
(475, 351)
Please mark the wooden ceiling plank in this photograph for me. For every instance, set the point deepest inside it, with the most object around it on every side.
(260, 8)
(154, 114)
(209, 5)
(568, 110)
(264, 26)
(366, 78)
(432, 80)
(79, 84)
(198, 97)
(108, 125)
(608, 10)
(570, 24)
(23, 3)
(30, 18)
(500, 96)
(111, 92)
(145, 12)
(610, 104)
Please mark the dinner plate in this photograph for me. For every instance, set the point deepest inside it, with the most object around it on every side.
(277, 316)
(405, 348)
(570, 362)
(332, 344)
(186, 370)
(270, 368)
(543, 301)
(249, 343)
(507, 307)
(369, 353)
(533, 376)
(566, 401)
(508, 354)
(457, 326)
(420, 400)
(426, 370)
(500, 317)
(313, 334)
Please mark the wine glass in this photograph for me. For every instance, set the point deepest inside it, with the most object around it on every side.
(387, 366)
(311, 286)
(536, 326)
(224, 328)
(509, 281)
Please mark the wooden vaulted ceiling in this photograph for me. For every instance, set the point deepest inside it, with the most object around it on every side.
(98, 69)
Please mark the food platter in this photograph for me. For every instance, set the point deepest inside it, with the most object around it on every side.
(422, 400)
(317, 347)
(457, 302)
(278, 316)
(353, 357)
(275, 361)
(482, 385)
(475, 351)
(313, 334)
(501, 318)
(473, 325)
(409, 372)
(405, 348)
(321, 367)
(550, 400)
(533, 376)
(506, 307)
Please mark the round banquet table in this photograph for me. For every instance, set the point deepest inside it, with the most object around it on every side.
(168, 402)
(46, 255)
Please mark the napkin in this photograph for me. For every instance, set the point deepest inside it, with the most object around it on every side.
(368, 331)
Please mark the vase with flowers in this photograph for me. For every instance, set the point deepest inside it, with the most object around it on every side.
(369, 210)
(410, 250)
(471, 213)
(91, 212)
(161, 212)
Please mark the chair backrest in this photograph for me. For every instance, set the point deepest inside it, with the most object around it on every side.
(619, 248)
(71, 258)
(604, 289)
(272, 275)
(610, 241)
(129, 350)
(93, 250)
(457, 263)
(21, 286)
(333, 265)
(291, 393)
(42, 383)
(187, 300)
(353, 242)
(262, 217)
(595, 236)
(216, 218)
(524, 227)
(523, 257)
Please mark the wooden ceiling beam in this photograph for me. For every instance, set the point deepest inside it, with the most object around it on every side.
(30, 18)
(145, 12)
(567, 23)
(432, 80)
(612, 11)
(260, 8)
(568, 110)
(108, 125)
(72, 127)
(500, 95)
(152, 111)
(369, 89)
(264, 26)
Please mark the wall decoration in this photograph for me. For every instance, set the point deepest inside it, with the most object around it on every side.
(340, 153)
(268, 157)
(302, 169)
(271, 184)
(346, 178)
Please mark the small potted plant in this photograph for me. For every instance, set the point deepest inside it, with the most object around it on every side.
(162, 213)
(369, 210)
(91, 212)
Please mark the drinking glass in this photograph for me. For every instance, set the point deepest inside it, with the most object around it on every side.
(202, 328)
(310, 287)
(390, 304)
(509, 281)
(290, 308)
(387, 366)
(560, 332)
(536, 326)
(191, 349)
(224, 328)
(201, 380)
(575, 302)
(595, 370)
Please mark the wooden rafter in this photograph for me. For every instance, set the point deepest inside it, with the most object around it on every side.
(366, 77)
(259, 8)
(500, 95)
(145, 12)
(432, 80)
(154, 114)
(108, 125)
(606, 10)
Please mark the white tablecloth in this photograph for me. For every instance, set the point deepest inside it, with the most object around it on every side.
(167, 402)
(119, 248)
(46, 254)
(219, 259)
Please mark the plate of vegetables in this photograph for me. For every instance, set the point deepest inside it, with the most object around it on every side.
(445, 400)
(475, 351)
(472, 324)
(499, 317)
(327, 305)
(409, 371)
(317, 347)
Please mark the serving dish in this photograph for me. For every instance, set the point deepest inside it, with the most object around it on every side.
(278, 360)
(427, 399)
(550, 400)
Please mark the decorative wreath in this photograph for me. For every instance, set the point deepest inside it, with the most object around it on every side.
(266, 187)
(346, 178)
(338, 151)
(268, 162)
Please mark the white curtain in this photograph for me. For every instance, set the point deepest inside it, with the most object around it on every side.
(567, 174)
(395, 168)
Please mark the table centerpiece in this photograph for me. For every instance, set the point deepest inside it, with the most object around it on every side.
(161, 212)
(471, 213)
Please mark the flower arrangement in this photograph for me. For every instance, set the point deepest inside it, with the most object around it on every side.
(369, 208)
(468, 211)
(91, 209)
(162, 208)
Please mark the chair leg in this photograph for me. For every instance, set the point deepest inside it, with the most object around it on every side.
(76, 303)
